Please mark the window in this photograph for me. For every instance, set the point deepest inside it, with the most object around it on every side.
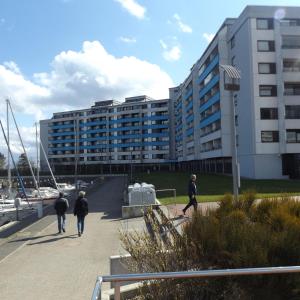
(264, 24)
(290, 22)
(291, 65)
(267, 68)
(292, 111)
(293, 136)
(267, 90)
(270, 136)
(291, 89)
(290, 42)
(268, 113)
(265, 46)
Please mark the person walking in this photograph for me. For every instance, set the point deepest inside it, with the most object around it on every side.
(81, 209)
(192, 192)
(61, 205)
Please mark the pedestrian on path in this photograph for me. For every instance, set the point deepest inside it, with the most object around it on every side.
(61, 205)
(192, 192)
(81, 209)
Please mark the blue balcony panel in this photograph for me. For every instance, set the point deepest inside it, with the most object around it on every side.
(62, 141)
(179, 126)
(61, 126)
(214, 99)
(178, 138)
(208, 69)
(93, 123)
(212, 83)
(140, 127)
(62, 133)
(189, 106)
(189, 132)
(178, 105)
(188, 94)
(126, 145)
(216, 116)
(127, 136)
(190, 118)
(61, 148)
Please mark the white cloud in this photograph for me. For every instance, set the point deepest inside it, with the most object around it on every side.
(208, 36)
(127, 40)
(170, 53)
(75, 81)
(133, 8)
(183, 27)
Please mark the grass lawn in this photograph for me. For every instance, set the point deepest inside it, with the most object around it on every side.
(212, 187)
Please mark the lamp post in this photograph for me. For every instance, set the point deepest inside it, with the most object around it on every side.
(232, 83)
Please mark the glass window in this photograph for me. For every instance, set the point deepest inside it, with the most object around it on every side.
(291, 42)
(264, 24)
(267, 90)
(290, 22)
(267, 68)
(291, 136)
(269, 113)
(292, 111)
(292, 89)
(266, 46)
(291, 65)
(270, 136)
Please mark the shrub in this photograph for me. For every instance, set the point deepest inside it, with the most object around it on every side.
(239, 234)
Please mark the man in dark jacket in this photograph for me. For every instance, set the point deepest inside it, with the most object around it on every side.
(61, 205)
(192, 192)
(81, 209)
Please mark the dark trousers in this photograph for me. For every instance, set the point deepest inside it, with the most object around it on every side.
(80, 223)
(193, 202)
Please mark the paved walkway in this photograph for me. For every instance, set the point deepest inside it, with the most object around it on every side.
(45, 265)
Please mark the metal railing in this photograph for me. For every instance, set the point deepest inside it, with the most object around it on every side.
(117, 279)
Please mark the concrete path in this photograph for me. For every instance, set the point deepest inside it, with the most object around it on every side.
(50, 266)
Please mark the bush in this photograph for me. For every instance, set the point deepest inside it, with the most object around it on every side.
(239, 234)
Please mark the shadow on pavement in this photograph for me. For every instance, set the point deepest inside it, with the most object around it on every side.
(60, 237)
(31, 238)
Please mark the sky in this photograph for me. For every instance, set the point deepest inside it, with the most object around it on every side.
(58, 55)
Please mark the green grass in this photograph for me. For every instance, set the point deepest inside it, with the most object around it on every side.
(213, 187)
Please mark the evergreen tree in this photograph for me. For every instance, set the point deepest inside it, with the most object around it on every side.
(2, 161)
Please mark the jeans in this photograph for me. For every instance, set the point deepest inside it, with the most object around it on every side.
(80, 223)
(61, 220)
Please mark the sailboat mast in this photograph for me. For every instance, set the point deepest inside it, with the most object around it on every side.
(8, 151)
(25, 152)
(37, 155)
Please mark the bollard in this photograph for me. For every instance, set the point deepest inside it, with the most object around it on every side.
(40, 209)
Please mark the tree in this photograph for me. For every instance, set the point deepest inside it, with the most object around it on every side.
(22, 164)
(2, 161)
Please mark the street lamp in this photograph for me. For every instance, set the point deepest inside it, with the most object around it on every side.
(232, 78)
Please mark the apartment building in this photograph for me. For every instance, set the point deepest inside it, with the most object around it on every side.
(109, 136)
(264, 44)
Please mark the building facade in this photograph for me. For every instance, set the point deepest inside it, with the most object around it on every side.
(264, 44)
(194, 128)
(109, 136)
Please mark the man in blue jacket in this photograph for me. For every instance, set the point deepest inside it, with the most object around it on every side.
(61, 205)
(192, 192)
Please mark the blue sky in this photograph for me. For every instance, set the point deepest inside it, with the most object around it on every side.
(64, 54)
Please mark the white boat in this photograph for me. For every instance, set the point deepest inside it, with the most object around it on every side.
(65, 187)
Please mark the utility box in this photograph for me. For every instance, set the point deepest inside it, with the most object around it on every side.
(140, 194)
